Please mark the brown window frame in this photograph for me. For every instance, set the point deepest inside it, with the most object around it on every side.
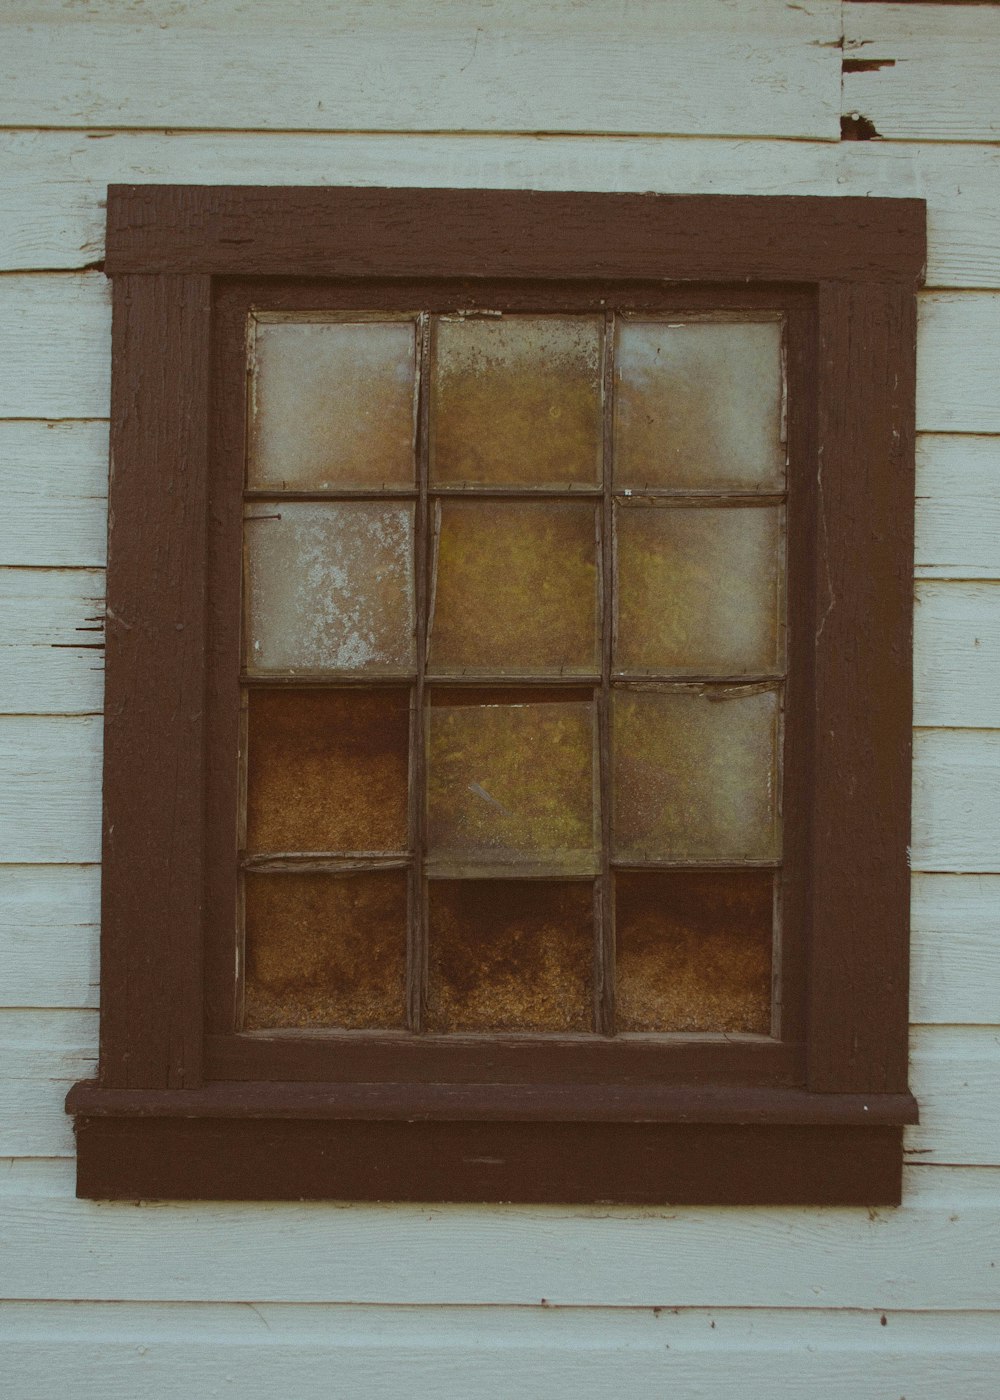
(185, 1107)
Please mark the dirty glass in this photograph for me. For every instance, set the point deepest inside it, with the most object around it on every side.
(332, 405)
(693, 950)
(507, 955)
(516, 400)
(698, 405)
(511, 783)
(330, 587)
(698, 590)
(325, 951)
(327, 770)
(515, 588)
(695, 774)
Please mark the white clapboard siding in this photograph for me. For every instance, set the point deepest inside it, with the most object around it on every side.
(958, 506)
(956, 800)
(958, 362)
(940, 78)
(55, 345)
(954, 1072)
(53, 183)
(53, 485)
(694, 67)
(956, 655)
(51, 641)
(49, 920)
(50, 789)
(955, 949)
(108, 1352)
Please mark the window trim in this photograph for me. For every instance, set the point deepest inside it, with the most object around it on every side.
(160, 1122)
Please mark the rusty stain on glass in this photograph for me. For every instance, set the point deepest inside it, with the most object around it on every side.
(330, 587)
(515, 588)
(517, 400)
(694, 950)
(699, 589)
(327, 770)
(332, 404)
(325, 951)
(509, 955)
(699, 405)
(695, 774)
(510, 781)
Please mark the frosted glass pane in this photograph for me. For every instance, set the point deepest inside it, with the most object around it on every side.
(698, 406)
(517, 400)
(695, 775)
(333, 405)
(698, 589)
(511, 784)
(326, 951)
(508, 955)
(327, 770)
(330, 587)
(515, 588)
(694, 951)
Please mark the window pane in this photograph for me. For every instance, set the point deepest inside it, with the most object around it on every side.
(698, 405)
(330, 588)
(694, 951)
(515, 588)
(327, 770)
(698, 589)
(326, 950)
(511, 784)
(333, 405)
(510, 956)
(517, 400)
(695, 774)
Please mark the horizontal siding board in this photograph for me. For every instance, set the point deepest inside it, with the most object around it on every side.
(956, 801)
(958, 363)
(939, 82)
(50, 789)
(955, 949)
(957, 655)
(700, 67)
(164, 1353)
(55, 345)
(53, 483)
(51, 642)
(958, 506)
(49, 922)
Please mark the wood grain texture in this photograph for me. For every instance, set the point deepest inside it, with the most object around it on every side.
(49, 920)
(314, 232)
(939, 79)
(53, 484)
(956, 801)
(958, 363)
(52, 643)
(50, 789)
(957, 655)
(55, 340)
(115, 1351)
(958, 507)
(53, 184)
(955, 949)
(698, 67)
(154, 735)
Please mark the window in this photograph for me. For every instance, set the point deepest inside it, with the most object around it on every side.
(620, 522)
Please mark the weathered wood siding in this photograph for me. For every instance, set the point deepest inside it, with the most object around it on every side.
(734, 96)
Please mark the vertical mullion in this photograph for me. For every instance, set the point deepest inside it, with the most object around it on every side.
(604, 925)
(416, 952)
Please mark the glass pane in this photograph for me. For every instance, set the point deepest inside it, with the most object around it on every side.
(511, 784)
(510, 956)
(698, 589)
(695, 774)
(694, 951)
(330, 587)
(326, 950)
(332, 405)
(517, 400)
(515, 588)
(327, 770)
(698, 406)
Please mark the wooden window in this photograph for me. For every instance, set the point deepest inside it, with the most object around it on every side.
(567, 539)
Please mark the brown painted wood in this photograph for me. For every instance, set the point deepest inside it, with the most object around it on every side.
(863, 689)
(363, 232)
(154, 832)
(630, 1163)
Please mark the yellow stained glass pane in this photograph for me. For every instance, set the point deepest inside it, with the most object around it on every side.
(516, 400)
(332, 405)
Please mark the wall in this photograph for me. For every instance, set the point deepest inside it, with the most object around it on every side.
(732, 96)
